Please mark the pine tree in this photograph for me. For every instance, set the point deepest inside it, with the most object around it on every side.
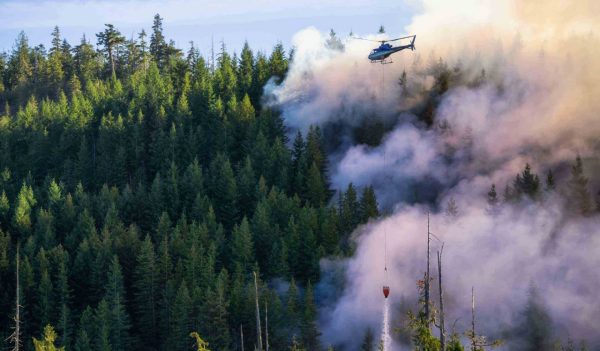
(158, 45)
(262, 230)
(350, 210)
(333, 42)
(110, 39)
(246, 185)
(242, 246)
(369, 207)
(534, 330)
(45, 289)
(550, 186)
(47, 342)
(316, 192)
(180, 318)
(215, 314)
(492, 200)
(245, 69)
(63, 297)
(102, 320)
(223, 190)
(278, 63)
(368, 341)
(310, 333)
(86, 331)
(24, 205)
(451, 210)
(527, 183)
(115, 298)
(579, 196)
(4, 208)
(146, 292)
(293, 312)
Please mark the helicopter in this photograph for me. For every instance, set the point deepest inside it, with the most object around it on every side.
(380, 54)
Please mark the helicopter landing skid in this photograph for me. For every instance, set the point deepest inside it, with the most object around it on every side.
(383, 62)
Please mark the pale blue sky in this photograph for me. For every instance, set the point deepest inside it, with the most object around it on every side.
(262, 22)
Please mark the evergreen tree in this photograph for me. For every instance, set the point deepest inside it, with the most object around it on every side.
(45, 289)
(158, 45)
(242, 247)
(63, 297)
(451, 210)
(215, 314)
(368, 341)
(492, 200)
(102, 320)
(369, 208)
(181, 321)
(245, 70)
(24, 205)
(278, 63)
(4, 208)
(534, 331)
(146, 293)
(527, 183)
(86, 331)
(579, 196)
(47, 342)
(110, 39)
(310, 333)
(223, 190)
(550, 185)
(115, 298)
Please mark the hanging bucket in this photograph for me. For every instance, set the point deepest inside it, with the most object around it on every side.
(386, 291)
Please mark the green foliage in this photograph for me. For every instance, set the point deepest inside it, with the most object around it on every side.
(421, 335)
(201, 345)
(135, 179)
(47, 342)
(24, 204)
(368, 341)
(534, 329)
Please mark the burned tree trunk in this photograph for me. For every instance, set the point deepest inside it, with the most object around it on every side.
(473, 335)
(441, 291)
(242, 336)
(15, 337)
(266, 327)
(427, 274)
(258, 328)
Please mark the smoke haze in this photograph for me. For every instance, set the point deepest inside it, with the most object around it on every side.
(524, 87)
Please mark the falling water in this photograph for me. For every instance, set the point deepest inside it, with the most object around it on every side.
(385, 328)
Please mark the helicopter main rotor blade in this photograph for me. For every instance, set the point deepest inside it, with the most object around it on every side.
(376, 41)
(406, 37)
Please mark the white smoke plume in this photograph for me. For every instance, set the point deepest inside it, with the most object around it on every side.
(536, 103)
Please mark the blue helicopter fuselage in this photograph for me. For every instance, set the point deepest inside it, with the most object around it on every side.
(385, 50)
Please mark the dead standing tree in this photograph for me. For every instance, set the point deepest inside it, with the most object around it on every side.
(441, 326)
(258, 328)
(478, 342)
(15, 337)
(427, 279)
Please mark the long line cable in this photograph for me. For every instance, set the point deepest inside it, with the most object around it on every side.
(384, 169)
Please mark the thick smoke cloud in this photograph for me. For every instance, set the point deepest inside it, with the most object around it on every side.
(536, 103)
(501, 256)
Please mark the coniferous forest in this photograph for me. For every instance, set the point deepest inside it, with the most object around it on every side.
(156, 198)
(141, 186)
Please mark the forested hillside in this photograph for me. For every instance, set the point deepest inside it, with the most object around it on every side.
(142, 185)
